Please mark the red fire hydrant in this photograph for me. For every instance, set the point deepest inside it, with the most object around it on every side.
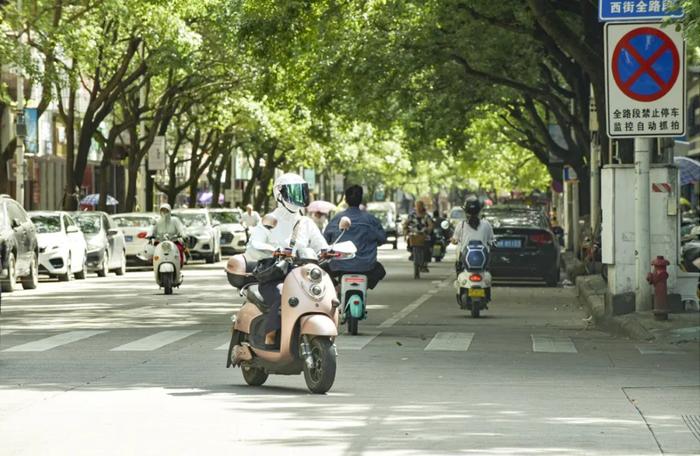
(658, 278)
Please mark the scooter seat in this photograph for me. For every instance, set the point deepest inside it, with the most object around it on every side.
(253, 295)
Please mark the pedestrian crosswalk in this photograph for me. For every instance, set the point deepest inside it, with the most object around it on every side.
(143, 340)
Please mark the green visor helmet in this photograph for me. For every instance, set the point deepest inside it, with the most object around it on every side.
(296, 194)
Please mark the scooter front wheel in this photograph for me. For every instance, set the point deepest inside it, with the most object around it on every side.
(254, 376)
(167, 281)
(321, 375)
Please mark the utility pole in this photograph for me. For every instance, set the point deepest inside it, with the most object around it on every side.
(642, 239)
(20, 129)
(142, 175)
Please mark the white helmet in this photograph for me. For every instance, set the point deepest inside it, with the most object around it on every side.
(165, 207)
(291, 191)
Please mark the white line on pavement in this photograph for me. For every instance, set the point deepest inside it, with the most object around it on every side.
(389, 322)
(450, 341)
(5, 332)
(552, 344)
(155, 341)
(359, 342)
(223, 347)
(53, 341)
(656, 351)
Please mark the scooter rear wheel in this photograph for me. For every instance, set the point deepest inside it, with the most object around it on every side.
(254, 376)
(352, 325)
(320, 377)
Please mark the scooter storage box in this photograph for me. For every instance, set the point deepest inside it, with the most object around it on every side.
(239, 271)
(475, 256)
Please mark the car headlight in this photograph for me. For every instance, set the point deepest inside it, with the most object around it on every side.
(203, 236)
(55, 247)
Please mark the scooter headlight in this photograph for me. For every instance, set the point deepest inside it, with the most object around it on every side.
(315, 275)
(316, 290)
(167, 247)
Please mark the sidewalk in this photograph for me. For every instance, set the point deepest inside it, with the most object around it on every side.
(680, 328)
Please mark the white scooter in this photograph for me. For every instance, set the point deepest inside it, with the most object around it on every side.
(473, 283)
(166, 264)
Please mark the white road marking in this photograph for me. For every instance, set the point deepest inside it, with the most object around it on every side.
(155, 341)
(5, 332)
(389, 322)
(53, 341)
(346, 342)
(450, 341)
(223, 347)
(647, 350)
(552, 344)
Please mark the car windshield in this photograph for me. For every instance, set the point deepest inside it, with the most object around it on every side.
(383, 216)
(515, 218)
(192, 220)
(89, 224)
(226, 217)
(458, 213)
(47, 223)
(134, 222)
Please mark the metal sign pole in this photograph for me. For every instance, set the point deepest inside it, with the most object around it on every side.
(20, 131)
(642, 221)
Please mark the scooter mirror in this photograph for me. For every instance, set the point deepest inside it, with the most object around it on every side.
(445, 225)
(269, 221)
(345, 223)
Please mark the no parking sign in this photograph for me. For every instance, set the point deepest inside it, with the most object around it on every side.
(645, 80)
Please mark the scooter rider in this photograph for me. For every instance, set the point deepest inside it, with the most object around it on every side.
(473, 229)
(171, 227)
(366, 233)
(292, 195)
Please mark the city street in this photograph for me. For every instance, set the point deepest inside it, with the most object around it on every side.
(112, 366)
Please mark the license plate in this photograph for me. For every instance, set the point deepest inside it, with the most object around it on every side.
(509, 243)
(477, 293)
(129, 238)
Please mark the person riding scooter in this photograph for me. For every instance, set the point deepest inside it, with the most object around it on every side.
(291, 193)
(366, 233)
(170, 227)
(420, 224)
(473, 229)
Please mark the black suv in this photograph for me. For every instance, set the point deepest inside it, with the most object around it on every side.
(19, 251)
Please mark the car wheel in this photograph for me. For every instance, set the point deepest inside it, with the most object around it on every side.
(80, 275)
(122, 267)
(69, 266)
(31, 281)
(102, 272)
(553, 277)
(10, 283)
(396, 245)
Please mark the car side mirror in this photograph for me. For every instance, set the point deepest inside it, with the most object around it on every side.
(72, 229)
(215, 223)
(15, 223)
(112, 232)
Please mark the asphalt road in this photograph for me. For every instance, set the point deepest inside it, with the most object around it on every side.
(111, 366)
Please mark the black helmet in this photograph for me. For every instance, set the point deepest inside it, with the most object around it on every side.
(472, 205)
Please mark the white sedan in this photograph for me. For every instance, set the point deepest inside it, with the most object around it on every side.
(62, 246)
(137, 228)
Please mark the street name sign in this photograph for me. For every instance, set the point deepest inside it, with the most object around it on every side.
(645, 80)
(629, 10)
(156, 154)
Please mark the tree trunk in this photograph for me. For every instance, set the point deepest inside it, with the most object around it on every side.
(104, 181)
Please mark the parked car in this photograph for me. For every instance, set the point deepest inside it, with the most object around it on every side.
(386, 213)
(62, 246)
(456, 216)
(526, 247)
(105, 243)
(18, 246)
(203, 234)
(137, 227)
(233, 237)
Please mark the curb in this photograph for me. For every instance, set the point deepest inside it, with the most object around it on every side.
(591, 295)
